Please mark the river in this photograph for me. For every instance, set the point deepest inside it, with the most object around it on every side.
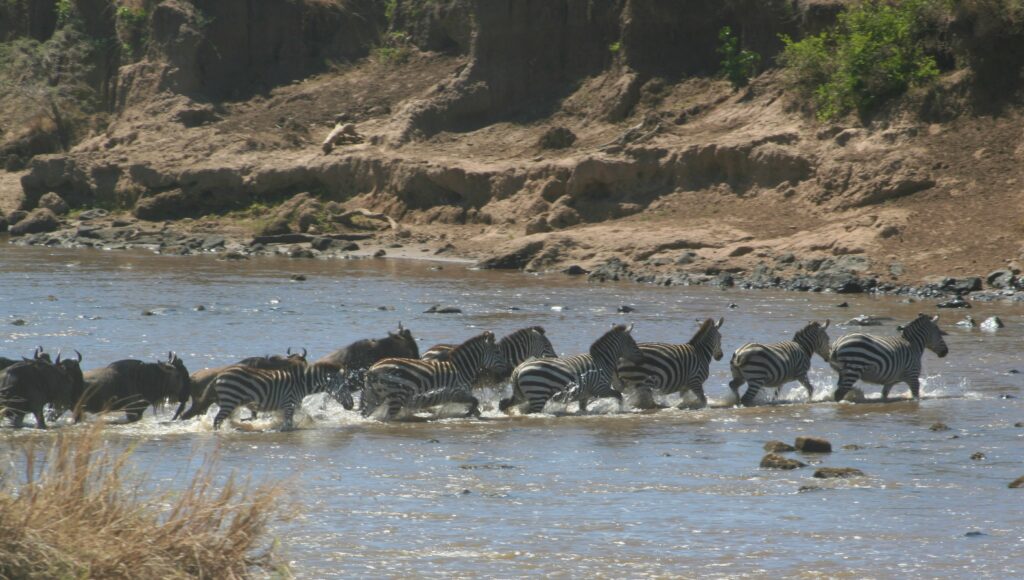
(609, 494)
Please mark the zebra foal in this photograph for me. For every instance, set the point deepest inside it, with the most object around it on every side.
(275, 389)
(670, 368)
(416, 384)
(773, 365)
(579, 377)
(886, 360)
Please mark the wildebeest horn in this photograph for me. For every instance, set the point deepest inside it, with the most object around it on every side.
(400, 327)
(288, 351)
(303, 352)
(629, 328)
(79, 355)
(38, 351)
(58, 357)
(170, 356)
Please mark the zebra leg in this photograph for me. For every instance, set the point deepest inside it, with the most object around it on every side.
(736, 382)
(223, 413)
(915, 387)
(807, 385)
(584, 401)
(19, 418)
(466, 397)
(698, 390)
(753, 388)
(40, 421)
(289, 416)
(847, 377)
(885, 392)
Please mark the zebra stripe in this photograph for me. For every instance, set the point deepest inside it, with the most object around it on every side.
(670, 368)
(416, 384)
(579, 377)
(274, 389)
(773, 365)
(516, 348)
(886, 360)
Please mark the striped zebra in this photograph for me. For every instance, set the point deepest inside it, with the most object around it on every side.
(275, 389)
(417, 384)
(773, 365)
(671, 368)
(886, 360)
(579, 377)
(516, 348)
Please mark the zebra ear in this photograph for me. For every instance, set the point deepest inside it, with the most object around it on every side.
(720, 321)
(824, 326)
(629, 328)
(899, 328)
(935, 318)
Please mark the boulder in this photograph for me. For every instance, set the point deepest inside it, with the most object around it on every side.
(39, 220)
(776, 461)
(977, 456)
(1017, 483)
(939, 426)
(957, 302)
(556, 138)
(992, 323)
(1000, 279)
(3, 224)
(54, 203)
(168, 205)
(575, 270)
(778, 447)
(515, 259)
(16, 216)
(93, 214)
(438, 309)
(837, 472)
(813, 445)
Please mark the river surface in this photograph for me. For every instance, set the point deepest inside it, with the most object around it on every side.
(611, 494)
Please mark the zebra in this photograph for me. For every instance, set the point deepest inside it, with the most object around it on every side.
(536, 382)
(670, 368)
(773, 365)
(274, 389)
(417, 384)
(522, 345)
(886, 360)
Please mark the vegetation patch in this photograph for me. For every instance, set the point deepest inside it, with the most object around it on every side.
(76, 512)
(737, 65)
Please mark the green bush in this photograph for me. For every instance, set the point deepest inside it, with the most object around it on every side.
(874, 52)
(132, 31)
(738, 65)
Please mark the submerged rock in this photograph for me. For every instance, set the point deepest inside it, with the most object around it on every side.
(1017, 483)
(776, 461)
(778, 447)
(957, 302)
(438, 309)
(813, 445)
(967, 322)
(939, 426)
(977, 456)
(992, 323)
(837, 472)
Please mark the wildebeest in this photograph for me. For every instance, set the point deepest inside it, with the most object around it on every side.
(202, 397)
(29, 385)
(132, 385)
(363, 354)
(38, 354)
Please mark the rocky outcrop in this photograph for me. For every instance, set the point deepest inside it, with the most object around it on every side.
(39, 220)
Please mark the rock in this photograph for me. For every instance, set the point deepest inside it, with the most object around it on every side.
(992, 323)
(300, 252)
(380, 253)
(556, 138)
(168, 205)
(843, 305)
(778, 447)
(1019, 424)
(575, 270)
(776, 461)
(537, 225)
(837, 472)
(276, 227)
(624, 309)
(967, 322)
(235, 255)
(1017, 483)
(939, 426)
(16, 216)
(740, 251)
(194, 114)
(957, 302)
(962, 285)
(199, 308)
(39, 220)
(866, 320)
(18, 322)
(1000, 279)
(813, 445)
(975, 534)
(687, 257)
(148, 313)
(977, 456)
(612, 270)
(93, 214)
(298, 278)
(3, 224)
(852, 447)
(787, 258)
(438, 309)
(515, 259)
(54, 203)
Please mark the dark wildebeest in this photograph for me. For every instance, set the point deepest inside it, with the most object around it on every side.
(132, 385)
(202, 398)
(359, 356)
(37, 355)
(28, 386)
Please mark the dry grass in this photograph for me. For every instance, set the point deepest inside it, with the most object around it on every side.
(77, 512)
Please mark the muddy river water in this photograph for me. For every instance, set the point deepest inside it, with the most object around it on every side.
(609, 494)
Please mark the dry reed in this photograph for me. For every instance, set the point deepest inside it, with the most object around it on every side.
(77, 512)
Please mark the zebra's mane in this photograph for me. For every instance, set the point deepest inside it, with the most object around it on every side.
(703, 331)
(520, 332)
(484, 336)
(922, 320)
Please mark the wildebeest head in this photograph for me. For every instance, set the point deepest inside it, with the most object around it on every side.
(401, 344)
(177, 376)
(72, 369)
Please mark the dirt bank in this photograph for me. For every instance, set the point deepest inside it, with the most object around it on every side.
(544, 135)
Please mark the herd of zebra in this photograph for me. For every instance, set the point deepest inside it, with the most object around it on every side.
(393, 378)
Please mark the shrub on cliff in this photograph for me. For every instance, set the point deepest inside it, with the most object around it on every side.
(737, 65)
(73, 512)
(874, 52)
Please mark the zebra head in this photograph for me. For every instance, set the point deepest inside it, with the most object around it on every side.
(708, 338)
(924, 330)
(814, 338)
(525, 344)
(483, 350)
(616, 344)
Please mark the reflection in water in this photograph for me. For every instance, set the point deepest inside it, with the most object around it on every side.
(611, 494)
